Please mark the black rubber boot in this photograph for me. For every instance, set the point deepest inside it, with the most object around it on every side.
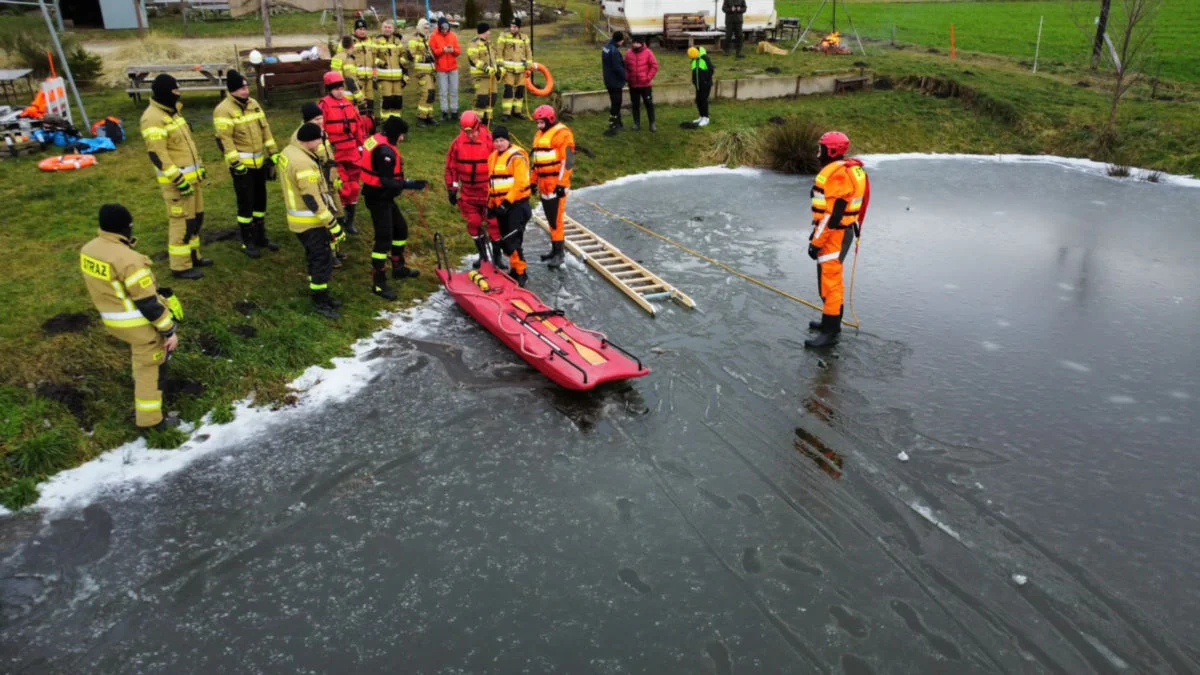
(557, 257)
(349, 224)
(197, 261)
(481, 245)
(323, 305)
(828, 337)
(522, 279)
(498, 257)
(380, 285)
(399, 271)
(818, 325)
(188, 274)
(260, 235)
(249, 247)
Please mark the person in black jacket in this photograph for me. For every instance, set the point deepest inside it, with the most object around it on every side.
(614, 79)
(734, 11)
(702, 80)
(383, 181)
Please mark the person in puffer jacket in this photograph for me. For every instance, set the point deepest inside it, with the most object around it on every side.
(640, 69)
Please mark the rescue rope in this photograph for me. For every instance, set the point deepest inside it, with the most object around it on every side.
(727, 268)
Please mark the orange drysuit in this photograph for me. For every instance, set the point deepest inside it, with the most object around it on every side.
(553, 160)
(840, 179)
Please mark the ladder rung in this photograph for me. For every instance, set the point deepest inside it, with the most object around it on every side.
(658, 296)
(629, 273)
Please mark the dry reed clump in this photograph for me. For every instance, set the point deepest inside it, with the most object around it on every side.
(157, 49)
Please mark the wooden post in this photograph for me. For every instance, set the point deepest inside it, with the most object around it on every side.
(951, 40)
(341, 19)
(1038, 48)
(266, 19)
(1101, 26)
(137, 9)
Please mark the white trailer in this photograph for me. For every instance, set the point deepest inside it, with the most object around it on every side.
(645, 17)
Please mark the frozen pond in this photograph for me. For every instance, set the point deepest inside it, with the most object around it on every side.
(1028, 343)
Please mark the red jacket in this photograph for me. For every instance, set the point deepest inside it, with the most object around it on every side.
(466, 165)
(343, 126)
(444, 62)
(640, 67)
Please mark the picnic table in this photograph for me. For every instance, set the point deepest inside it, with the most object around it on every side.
(714, 36)
(200, 77)
(9, 79)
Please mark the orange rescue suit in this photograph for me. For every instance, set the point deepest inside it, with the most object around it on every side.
(553, 157)
(840, 179)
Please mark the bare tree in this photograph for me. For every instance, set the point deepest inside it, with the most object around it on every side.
(1135, 25)
(266, 19)
(141, 23)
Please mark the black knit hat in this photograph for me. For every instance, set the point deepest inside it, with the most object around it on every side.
(482, 28)
(501, 132)
(618, 36)
(308, 132)
(116, 218)
(516, 21)
(360, 23)
(234, 81)
(310, 110)
(394, 126)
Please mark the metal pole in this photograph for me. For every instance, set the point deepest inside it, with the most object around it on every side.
(1038, 48)
(853, 29)
(530, 25)
(58, 16)
(811, 21)
(428, 14)
(393, 10)
(66, 66)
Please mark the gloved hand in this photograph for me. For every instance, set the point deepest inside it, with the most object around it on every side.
(416, 184)
(272, 172)
(489, 70)
(560, 192)
(337, 184)
(172, 302)
(490, 214)
(502, 209)
(239, 169)
(336, 233)
(452, 195)
(273, 159)
(185, 188)
(813, 251)
(202, 173)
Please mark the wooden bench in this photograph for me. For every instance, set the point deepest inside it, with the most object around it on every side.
(200, 77)
(677, 26)
(852, 83)
(285, 80)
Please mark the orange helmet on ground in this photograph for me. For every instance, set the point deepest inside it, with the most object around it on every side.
(544, 112)
(836, 144)
(469, 120)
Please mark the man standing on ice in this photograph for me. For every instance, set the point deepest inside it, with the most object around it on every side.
(839, 195)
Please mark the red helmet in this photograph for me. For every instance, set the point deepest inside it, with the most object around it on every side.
(836, 144)
(469, 120)
(544, 112)
(333, 78)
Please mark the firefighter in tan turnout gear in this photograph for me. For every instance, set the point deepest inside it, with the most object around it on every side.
(244, 137)
(515, 56)
(133, 309)
(483, 72)
(392, 71)
(423, 65)
(177, 165)
(311, 212)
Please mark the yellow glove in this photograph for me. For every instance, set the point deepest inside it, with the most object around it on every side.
(173, 304)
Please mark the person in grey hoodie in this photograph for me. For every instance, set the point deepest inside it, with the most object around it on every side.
(614, 79)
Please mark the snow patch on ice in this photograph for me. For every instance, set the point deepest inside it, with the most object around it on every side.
(990, 346)
(1002, 323)
(927, 513)
(1107, 653)
(1073, 163)
(1121, 399)
(135, 463)
(1072, 365)
(1181, 395)
(1020, 579)
(673, 173)
(950, 287)
(1065, 286)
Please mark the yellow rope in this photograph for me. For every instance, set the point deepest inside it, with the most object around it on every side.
(725, 267)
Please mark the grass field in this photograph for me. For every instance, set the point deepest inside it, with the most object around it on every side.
(66, 397)
(1010, 28)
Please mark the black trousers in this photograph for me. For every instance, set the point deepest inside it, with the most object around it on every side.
(391, 230)
(733, 33)
(512, 227)
(614, 107)
(637, 96)
(702, 93)
(251, 191)
(318, 254)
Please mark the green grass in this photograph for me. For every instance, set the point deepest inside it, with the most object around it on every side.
(292, 23)
(65, 398)
(1010, 28)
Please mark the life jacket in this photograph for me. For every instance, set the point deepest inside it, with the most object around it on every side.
(343, 126)
(110, 128)
(467, 165)
(545, 159)
(852, 170)
(503, 177)
(866, 200)
(369, 177)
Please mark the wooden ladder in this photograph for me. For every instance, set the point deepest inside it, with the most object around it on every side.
(639, 283)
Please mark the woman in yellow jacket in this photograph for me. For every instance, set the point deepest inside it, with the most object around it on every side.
(508, 198)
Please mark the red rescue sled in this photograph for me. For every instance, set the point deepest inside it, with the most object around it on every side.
(573, 357)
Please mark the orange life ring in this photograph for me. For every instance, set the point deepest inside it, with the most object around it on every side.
(66, 162)
(539, 91)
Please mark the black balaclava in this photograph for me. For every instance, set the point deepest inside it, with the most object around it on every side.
(235, 81)
(393, 128)
(825, 159)
(117, 219)
(160, 90)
